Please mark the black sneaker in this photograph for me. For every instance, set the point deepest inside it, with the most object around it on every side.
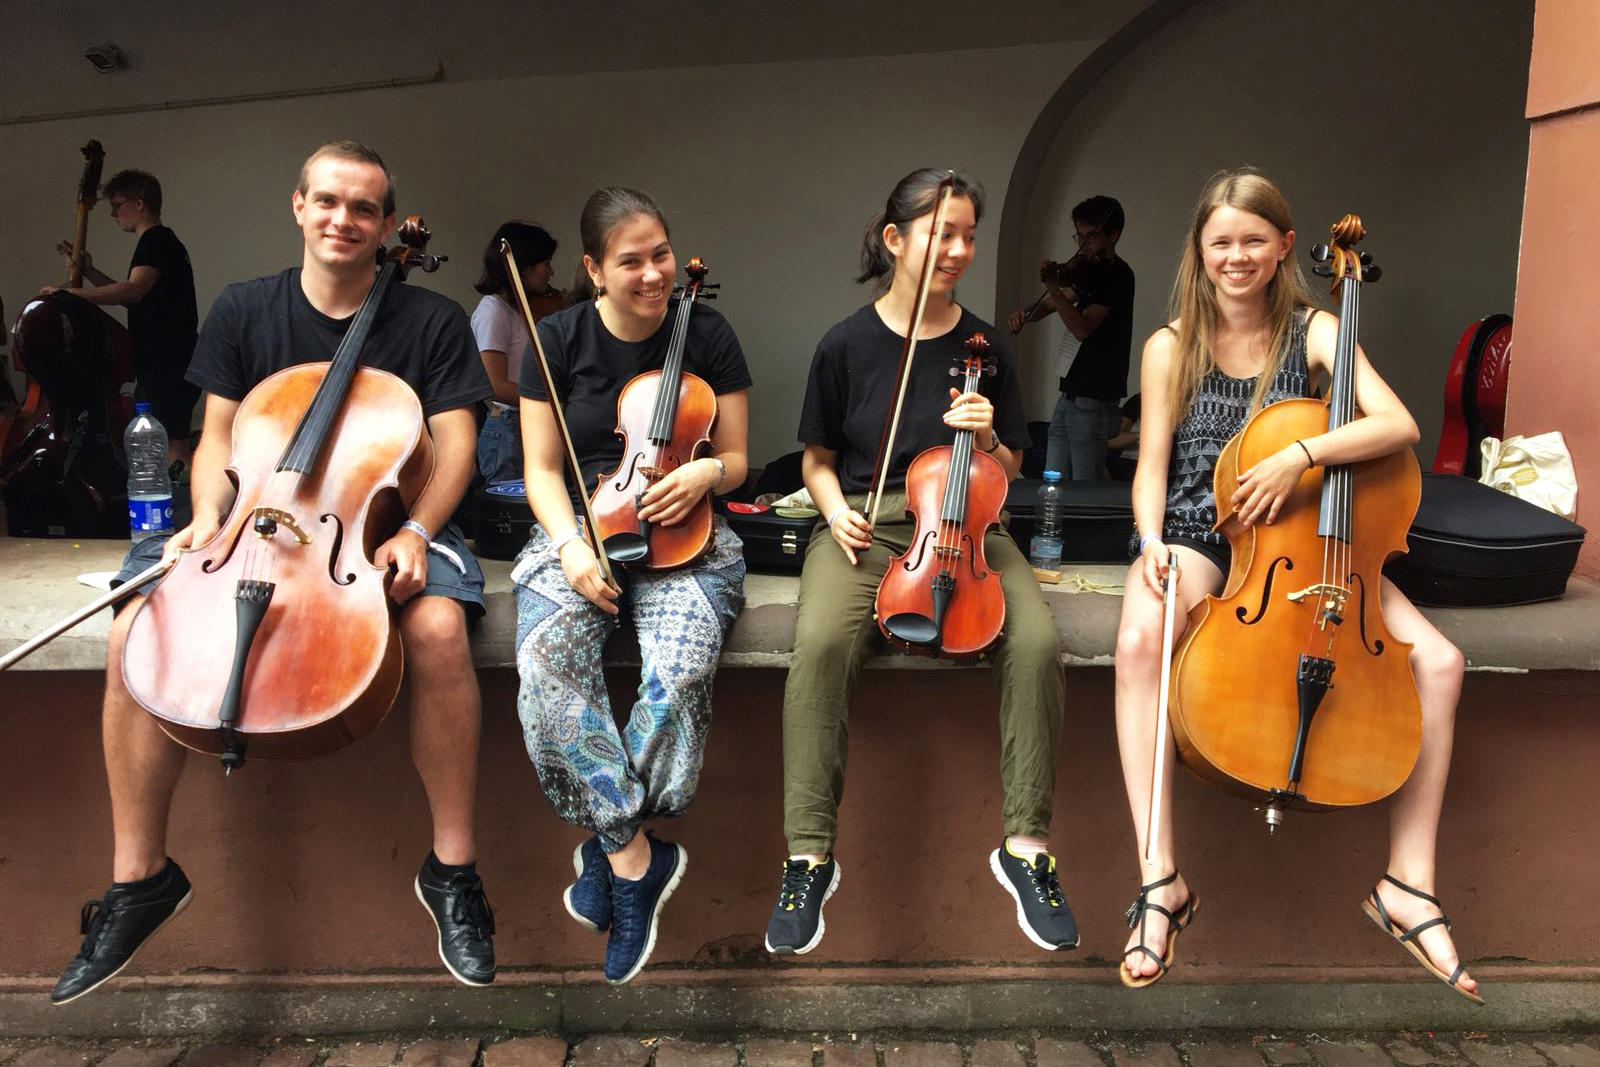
(114, 927)
(464, 919)
(588, 898)
(1042, 910)
(635, 907)
(796, 925)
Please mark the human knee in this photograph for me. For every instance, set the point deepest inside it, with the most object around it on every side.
(1138, 645)
(433, 628)
(1438, 662)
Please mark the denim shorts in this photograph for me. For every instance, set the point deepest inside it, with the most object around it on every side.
(443, 577)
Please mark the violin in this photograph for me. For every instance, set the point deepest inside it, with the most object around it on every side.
(940, 597)
(1076, 273)
(1288, 687)
(59, 459)
(547, 303)
(664, 418)
(279, 633)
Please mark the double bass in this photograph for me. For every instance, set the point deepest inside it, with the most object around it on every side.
(61, 463)
(278, 633)
(1288, 687)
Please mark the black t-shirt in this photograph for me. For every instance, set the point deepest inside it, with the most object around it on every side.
(163, 322)
(258, 327)
(590, 366)
(1101, 367)
(852, 387)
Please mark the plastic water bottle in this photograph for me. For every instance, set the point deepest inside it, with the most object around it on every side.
(1045, 548)
(149, 484)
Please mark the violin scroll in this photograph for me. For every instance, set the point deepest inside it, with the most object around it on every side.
(1345, 235)
(697, 270)
(977, 361)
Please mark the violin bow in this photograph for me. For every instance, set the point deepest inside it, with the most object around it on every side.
(561, 419)
(880, 476)
(1158, 783)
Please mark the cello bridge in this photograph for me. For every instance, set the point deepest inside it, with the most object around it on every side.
(1336, 593)
(266, 521)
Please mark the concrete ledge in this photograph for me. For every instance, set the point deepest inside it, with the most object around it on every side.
(806, 1000)
(38, 587)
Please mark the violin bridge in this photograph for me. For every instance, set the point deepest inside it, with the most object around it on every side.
(266, 521)
(654, 474)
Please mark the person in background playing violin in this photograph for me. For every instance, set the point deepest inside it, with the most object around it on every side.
(503, 339)
(609, 782)
(1246, 335)
(1093, 294)
(849, 392)
(344, 206)
(159, 296)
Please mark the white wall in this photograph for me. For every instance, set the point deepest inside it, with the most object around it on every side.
(1382, 108)
(768, 171)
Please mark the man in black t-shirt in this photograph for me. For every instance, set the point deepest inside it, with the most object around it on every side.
(1097, 310)
(159, 295)
(344, 205)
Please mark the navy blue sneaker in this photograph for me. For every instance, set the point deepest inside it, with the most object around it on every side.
(588, 898)
(1042, 910)
(635, 907)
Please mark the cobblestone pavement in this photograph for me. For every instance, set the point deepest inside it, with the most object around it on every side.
(1097, 1049)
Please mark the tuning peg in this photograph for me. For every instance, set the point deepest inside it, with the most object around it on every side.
(1366, 259)
(712, 285)
(1322, 272)
(708, 296)
(1321, 253)
(1371, 274)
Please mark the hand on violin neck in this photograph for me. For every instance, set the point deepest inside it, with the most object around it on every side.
(971, 411)
(582, 571)
(1265, 487)
(406, 556)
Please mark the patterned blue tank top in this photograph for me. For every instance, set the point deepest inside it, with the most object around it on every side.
(1220, 409)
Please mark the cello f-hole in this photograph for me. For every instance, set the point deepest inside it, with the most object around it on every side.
(1376, 645)
(1266, 591)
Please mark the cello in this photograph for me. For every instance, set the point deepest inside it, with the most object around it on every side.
(1288, 688)
(278, 633)
(60, 462)
(664, 418)
(940, 597)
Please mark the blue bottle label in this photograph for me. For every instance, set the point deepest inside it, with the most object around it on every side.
(154, 513)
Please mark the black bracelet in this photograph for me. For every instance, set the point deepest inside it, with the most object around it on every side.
(1309, 461)
(992, 448)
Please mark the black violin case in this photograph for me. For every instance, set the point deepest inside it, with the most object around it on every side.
(1473, 546)
(1096, 518)
(501, 520)
(773, 543)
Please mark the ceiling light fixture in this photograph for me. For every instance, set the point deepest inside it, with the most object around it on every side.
(106, 58)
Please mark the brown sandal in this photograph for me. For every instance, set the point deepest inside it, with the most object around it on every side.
(1176, 922)
(1375, 910)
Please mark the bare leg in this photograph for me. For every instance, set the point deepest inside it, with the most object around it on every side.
(446, 720)
(632, 859)
(1138, 683)
(1414, 813)
(142, 768)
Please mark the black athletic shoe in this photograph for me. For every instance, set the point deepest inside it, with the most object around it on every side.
(114, 927)
(465, 921)
(796, 925)
(1042, 910)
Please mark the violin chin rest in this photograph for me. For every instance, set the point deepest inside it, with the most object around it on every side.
(626, 547)
(912, 628)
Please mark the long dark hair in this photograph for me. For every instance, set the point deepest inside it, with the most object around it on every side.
(603, 212)
(531, 245)
(913, 197)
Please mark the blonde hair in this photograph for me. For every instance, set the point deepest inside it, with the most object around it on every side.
(1194, 297)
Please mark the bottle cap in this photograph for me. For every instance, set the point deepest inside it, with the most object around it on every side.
(141, 408)
(1052, 476)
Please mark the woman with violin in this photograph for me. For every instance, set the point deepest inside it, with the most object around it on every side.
(503, 338)
(621, 328)
(1245, 336)
(850, 392)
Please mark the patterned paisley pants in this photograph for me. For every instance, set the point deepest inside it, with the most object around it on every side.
(595, 776)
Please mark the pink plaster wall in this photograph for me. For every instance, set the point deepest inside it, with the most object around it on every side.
(1555, 365)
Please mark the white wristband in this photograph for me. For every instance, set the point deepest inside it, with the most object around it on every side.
(840, 510)
(417, 528)
(1146, 540)
(561, 542)
(722, 476)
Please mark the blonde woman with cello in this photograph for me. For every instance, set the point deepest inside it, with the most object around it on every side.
(1246, 335)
